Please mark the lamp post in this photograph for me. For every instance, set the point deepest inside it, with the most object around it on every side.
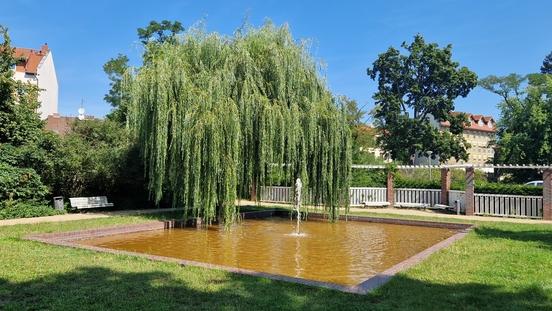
(429, 153)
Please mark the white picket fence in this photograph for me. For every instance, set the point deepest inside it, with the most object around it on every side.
(276, 194)
(359, 195)
(422, 196)
(508, 205)
(484, 204)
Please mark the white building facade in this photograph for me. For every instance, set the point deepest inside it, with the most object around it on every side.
(37, 67)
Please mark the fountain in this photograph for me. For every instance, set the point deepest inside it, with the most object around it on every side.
(297, 206)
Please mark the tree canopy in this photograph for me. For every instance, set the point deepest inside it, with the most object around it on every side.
(524, 131)
(547, 64)
(19, 120)
(214, 115)
(115, 69)
(160, 32)
(363, 137)
(414, 88)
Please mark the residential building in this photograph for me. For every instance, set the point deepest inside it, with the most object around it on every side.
(37, 67)
(479, 133)
(63, 125)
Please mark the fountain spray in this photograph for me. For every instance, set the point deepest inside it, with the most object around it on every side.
(298, 186)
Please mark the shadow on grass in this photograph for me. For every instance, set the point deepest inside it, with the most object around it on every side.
(403, 293)
(95, 288)
(542, 236)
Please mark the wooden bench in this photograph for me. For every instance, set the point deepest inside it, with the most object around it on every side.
(411, 205)
(90, 202)
(375, 204)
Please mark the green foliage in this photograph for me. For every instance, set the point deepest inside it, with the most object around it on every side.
(368, 178)
(98, 157)
(19, 120)
(502, 188)
(9, 210)
(363, 136)
(20, 184)
(524, 131)
(423, 84)
(214, 115)
(115, 69)
(547, 64)
(160, 32)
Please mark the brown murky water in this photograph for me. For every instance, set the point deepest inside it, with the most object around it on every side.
(344, 253)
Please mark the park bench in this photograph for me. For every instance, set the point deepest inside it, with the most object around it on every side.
(90, 202)
(375, 204)
(411, 205)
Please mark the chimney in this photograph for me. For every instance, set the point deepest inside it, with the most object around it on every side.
(44, 49)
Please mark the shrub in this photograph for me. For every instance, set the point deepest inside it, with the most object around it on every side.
(12, 209)
(501, 188)
(401, 182)
(368, 178)
(20, 184)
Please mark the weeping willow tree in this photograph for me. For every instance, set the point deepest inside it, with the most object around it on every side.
(216, 115)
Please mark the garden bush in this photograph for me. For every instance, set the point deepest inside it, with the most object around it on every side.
(20, 184)
(502, 188)
(13, 209)
(368, 178)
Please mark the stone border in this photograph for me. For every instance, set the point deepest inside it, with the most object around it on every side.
(70, 239)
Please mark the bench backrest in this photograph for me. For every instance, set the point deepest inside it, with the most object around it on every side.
(88, 201)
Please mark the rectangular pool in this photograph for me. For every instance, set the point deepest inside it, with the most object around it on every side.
(344, 253)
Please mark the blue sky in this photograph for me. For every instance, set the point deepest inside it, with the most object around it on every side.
(489, 37)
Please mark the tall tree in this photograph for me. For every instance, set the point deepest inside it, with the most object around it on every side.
(413, 89)
(214, 115)
(151, 36)
(115, 69)
(160, 32)
(524, 132)
(363, 137)
(19, 120)
(547, 64)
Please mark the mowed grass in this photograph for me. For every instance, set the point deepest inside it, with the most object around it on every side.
(496, 267)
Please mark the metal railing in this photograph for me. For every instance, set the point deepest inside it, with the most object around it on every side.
(359, 195)
(422, 196)
(484, 204)
(508, 205)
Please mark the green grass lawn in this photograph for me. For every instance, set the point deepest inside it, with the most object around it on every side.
(496, 267)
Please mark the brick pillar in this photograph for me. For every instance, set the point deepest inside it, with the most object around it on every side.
(470, 189)
(390, 189)
(445, 185)
(547, 194)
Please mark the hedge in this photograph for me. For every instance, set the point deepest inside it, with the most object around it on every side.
(26, 210)
(377, 178)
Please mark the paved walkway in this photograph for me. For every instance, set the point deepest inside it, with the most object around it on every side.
(393, 211)
(70, 217)
(424, 213)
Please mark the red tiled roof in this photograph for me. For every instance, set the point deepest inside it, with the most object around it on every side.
(29, 59)
(488, 124)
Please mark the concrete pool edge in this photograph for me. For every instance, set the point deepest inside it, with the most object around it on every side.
(71, 238)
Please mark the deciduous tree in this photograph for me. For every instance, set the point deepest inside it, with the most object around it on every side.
(413, 89)
(547, 64)
(115, 69)
(524, 131)
(214, 115)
